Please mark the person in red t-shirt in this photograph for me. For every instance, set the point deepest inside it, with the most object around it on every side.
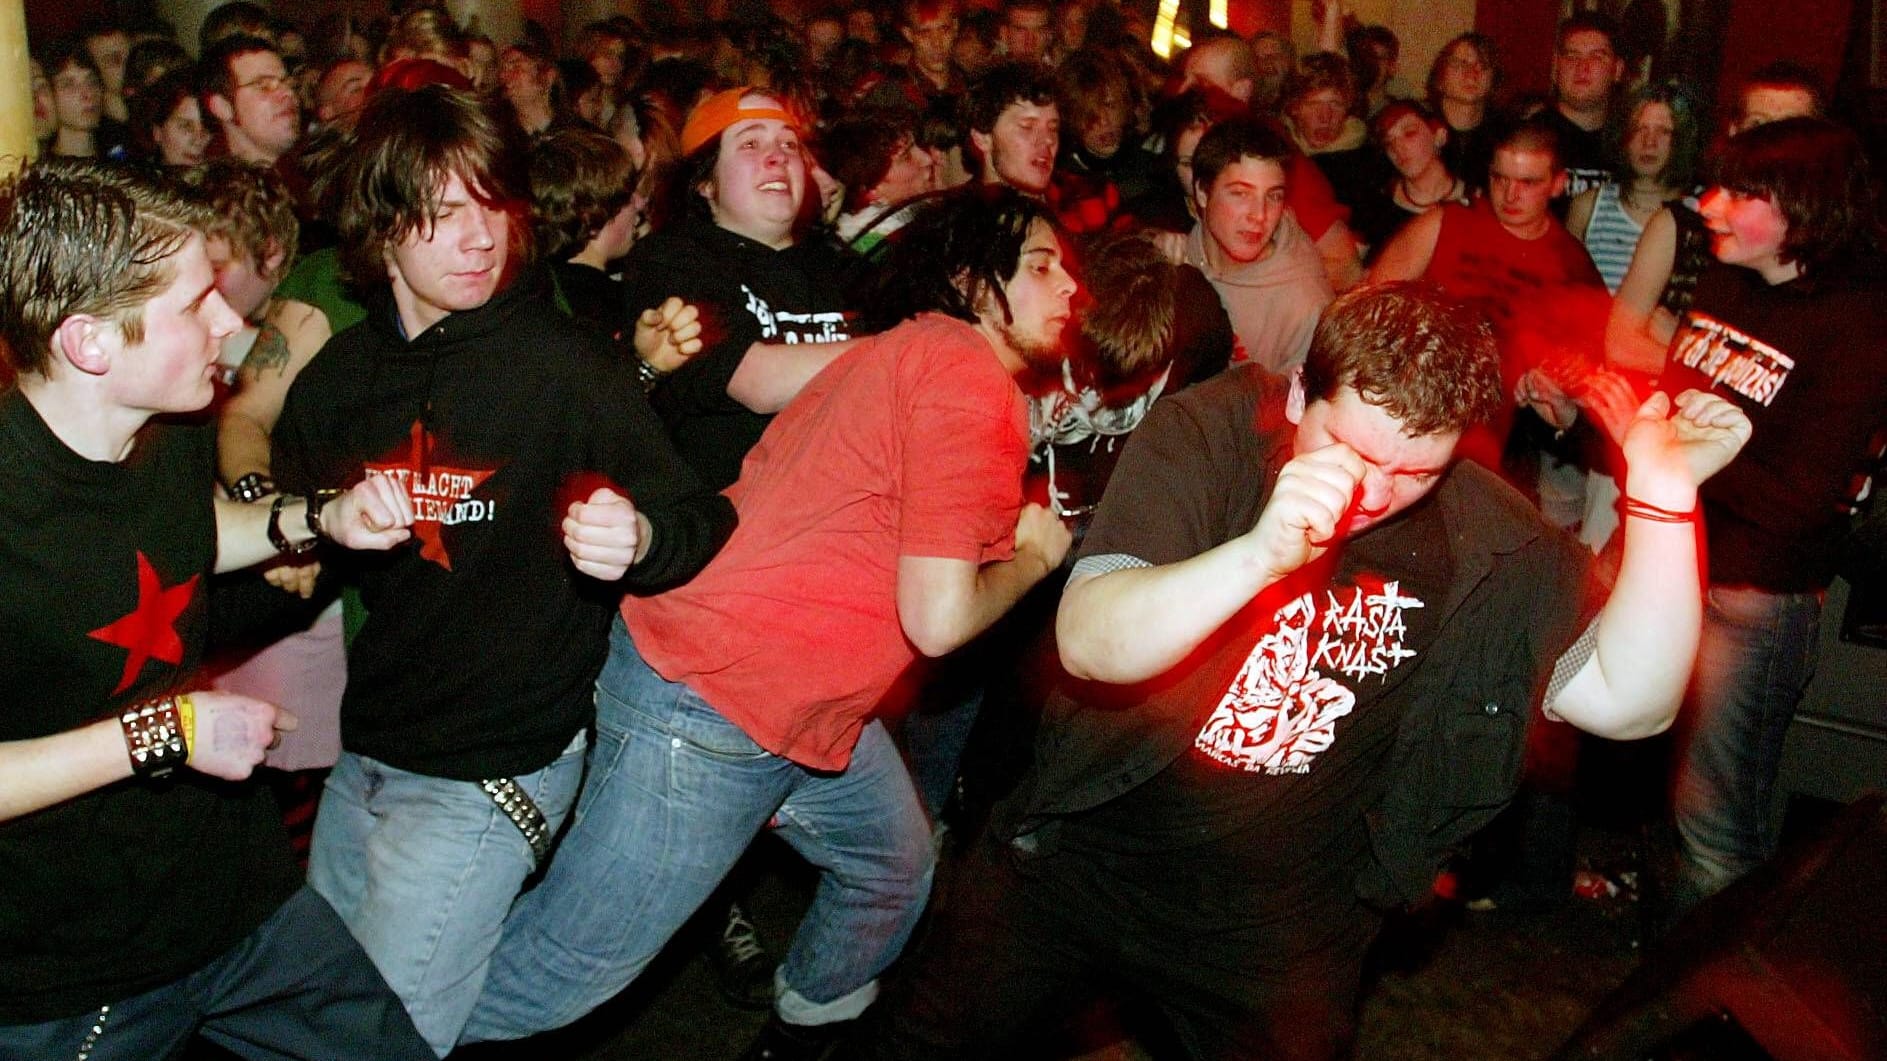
(1510, 256)
(881, 519)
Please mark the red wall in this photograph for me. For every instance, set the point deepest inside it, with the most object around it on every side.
(1523, 31)
(1812, 32)
(51, 20)
(1249, 16)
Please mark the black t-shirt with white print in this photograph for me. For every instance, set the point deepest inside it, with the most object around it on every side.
(1804, 359)
(1269, 799)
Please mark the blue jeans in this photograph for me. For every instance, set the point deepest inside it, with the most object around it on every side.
(675, 794)
(1755, 659)
(936, 734)
(296, 987)
(423, 870)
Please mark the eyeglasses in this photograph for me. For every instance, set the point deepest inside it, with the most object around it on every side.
(269, 84)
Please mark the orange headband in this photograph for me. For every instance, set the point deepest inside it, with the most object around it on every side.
(713, 115)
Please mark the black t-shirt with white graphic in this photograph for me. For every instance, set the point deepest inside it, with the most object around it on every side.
(1582, 152)
(1269, 800)
(1805, 360)
(103, 569)
(746, 293)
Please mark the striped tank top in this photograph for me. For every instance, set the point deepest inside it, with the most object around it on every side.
(1611, 236)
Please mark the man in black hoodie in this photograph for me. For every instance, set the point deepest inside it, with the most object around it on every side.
(469, 687)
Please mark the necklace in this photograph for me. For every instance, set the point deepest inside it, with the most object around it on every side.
(1408, 195)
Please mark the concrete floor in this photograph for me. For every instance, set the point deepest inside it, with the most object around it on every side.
(1449, 985)
(1454, 985)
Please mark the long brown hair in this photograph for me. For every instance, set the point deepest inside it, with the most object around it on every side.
(406, 146)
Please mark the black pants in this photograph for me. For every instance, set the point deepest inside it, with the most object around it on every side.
(1019, 937)
(298, 987)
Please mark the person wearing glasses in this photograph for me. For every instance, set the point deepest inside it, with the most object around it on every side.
(247, 90)
(1461, 88)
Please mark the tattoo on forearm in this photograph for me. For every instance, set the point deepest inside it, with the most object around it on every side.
(269, 354)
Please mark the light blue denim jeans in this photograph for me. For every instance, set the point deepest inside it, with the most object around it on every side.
(423, 869)
(1754, 661)
(675, 794)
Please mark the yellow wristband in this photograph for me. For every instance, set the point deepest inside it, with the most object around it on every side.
(187, 722)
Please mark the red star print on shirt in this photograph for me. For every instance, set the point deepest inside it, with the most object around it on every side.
(150, 630)
(441, 494)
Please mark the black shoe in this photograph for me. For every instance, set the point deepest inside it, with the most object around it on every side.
(743, 971)
(780, 1041)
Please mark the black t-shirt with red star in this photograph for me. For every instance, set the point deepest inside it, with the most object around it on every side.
(102, 584)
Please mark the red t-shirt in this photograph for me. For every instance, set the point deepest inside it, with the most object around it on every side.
(911, 444)
(1544, 296)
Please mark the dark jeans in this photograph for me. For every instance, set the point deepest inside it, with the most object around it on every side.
(298, 987)
(1020, 937)
(1755, 658)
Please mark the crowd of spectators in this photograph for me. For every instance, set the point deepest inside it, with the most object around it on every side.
(704, 431)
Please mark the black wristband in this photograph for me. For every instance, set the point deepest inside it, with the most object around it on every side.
(280, 540)
(649, 375)
(316, 502)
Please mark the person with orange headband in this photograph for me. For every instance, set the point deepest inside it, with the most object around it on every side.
(770, 297)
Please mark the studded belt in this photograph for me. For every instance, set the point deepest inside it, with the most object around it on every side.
(518, 806)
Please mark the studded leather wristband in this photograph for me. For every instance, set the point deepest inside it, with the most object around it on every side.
(154, 737)
(648, 375)
(251, 488)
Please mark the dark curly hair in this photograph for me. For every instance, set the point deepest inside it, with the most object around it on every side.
(1001, 86)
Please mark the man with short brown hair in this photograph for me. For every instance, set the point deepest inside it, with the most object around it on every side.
(150, 895)
(246, 88)
(1302, 647)
(463, 725)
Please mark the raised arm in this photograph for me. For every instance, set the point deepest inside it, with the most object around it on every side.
(375, 514)
(1638, 332)
(655, 524)
(1579, 213)
(1342, 255)
(771, 374)
(294, 333)
(1646, 634)
(1408, 252)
